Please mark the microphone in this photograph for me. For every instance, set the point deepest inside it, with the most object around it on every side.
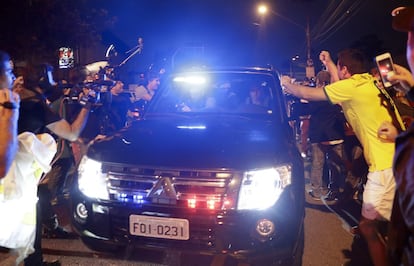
(138, 46)
(138, 50)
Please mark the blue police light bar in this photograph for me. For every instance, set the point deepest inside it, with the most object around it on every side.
(196, 80)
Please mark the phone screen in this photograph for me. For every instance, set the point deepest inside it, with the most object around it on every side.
(384, 67)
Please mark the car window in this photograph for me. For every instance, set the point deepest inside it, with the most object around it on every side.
(236, 93)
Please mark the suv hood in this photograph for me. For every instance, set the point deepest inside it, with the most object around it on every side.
(196, 142)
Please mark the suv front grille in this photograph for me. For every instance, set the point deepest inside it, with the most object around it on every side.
(197, 196)
(206, 189)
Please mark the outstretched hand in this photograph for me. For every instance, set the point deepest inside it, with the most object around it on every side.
(284, 82)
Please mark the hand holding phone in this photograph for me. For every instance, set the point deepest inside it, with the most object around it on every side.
(404, 77)
(385, 67)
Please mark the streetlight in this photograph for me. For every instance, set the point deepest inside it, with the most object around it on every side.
(263, 9)
(293, 59)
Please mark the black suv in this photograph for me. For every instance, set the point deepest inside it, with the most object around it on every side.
(211, 168)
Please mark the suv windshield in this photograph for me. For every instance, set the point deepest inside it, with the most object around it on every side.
(217, 92)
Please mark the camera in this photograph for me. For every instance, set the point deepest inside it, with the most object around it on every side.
(93, 94)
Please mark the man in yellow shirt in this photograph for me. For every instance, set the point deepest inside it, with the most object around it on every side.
(365, 110)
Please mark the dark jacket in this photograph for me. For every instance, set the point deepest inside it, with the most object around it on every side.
(401, 233)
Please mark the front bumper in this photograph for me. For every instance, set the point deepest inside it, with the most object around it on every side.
(211, 232)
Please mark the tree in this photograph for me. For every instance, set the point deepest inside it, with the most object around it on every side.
(35, 29)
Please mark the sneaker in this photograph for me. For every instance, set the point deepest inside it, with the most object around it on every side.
(314, 195)
(355, 230)
(51, 263)
(359, 192)
(331, 196)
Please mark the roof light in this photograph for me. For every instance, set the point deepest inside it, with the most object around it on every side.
(201, 127)
(196, 80)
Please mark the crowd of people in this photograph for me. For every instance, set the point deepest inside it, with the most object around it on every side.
(386, 219)
(37, 104)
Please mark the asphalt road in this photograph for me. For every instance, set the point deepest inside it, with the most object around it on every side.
(327, 242)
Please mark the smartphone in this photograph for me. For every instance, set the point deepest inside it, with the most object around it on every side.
(385, 66)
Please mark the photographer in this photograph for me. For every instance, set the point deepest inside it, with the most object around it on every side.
(119, 106)
(144, 93)
(37, 117)
(63, 163)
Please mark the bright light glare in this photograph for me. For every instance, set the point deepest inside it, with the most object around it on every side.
(192, 203)
(261, 189)
(91, 180)
(200, 127)
(211, 204)
(196, 80)
(262, 9)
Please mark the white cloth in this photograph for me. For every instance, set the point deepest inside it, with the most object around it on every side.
(378, 195)
(18, 191)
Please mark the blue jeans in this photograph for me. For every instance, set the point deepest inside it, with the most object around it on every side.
(333, 156)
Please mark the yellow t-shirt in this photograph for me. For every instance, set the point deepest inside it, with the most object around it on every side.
(364, 110)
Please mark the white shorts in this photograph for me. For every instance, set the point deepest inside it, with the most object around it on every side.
(378, 195)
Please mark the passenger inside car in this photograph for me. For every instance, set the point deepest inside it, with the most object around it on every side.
(257, 96)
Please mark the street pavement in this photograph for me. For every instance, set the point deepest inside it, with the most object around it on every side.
(328, 240)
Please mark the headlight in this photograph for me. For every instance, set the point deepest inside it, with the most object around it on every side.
(262, 188)
(91, 181)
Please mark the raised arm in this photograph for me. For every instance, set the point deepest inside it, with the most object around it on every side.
(8, 133)
(326, 59)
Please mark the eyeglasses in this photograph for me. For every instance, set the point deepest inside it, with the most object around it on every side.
(403, 19)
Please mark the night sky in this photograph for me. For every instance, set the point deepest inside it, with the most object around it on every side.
(231, 31)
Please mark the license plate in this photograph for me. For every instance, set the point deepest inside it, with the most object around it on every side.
(159, 227)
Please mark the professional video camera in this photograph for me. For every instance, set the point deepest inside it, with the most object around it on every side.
(91, 93)
(92, 86)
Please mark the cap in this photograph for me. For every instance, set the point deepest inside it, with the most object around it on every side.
(403, 19)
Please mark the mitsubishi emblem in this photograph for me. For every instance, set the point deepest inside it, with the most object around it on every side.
(163, 192)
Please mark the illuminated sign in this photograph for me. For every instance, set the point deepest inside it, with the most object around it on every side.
(66, 58)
